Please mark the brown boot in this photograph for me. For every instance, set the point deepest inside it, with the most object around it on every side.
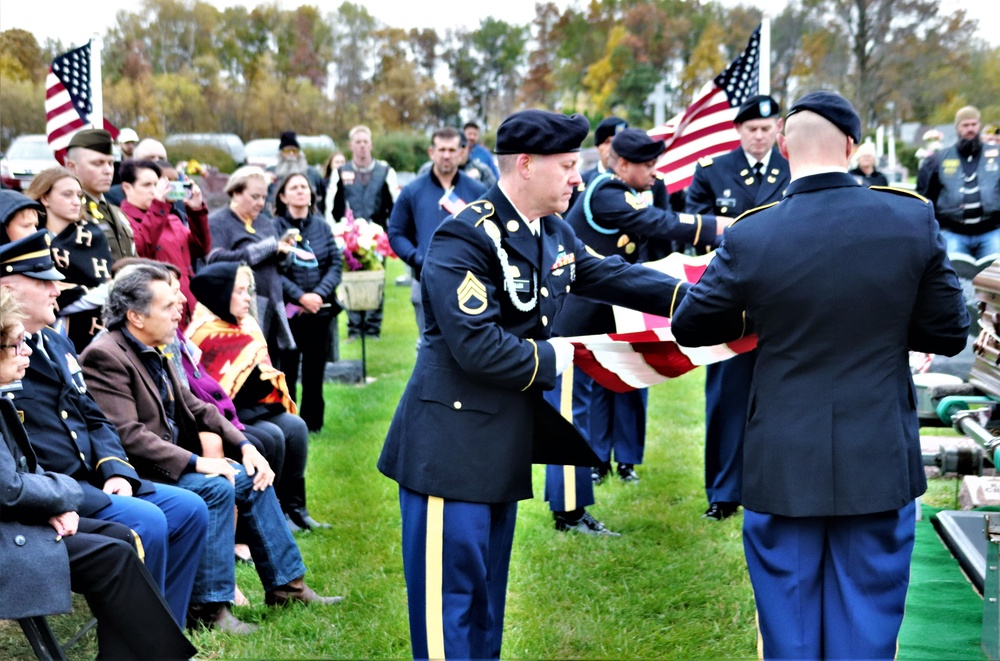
(296, 590)
(217, 616)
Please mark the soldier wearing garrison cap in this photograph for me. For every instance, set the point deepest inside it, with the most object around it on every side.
(89, 157)
(472, 420)
(752, 175)
(963, 182)
(832, 460)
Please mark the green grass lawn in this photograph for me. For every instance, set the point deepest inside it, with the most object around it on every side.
(673, 586)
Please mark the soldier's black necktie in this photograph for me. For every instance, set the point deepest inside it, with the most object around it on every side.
(758, 171)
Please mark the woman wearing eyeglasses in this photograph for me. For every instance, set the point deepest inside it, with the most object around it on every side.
(243, 232)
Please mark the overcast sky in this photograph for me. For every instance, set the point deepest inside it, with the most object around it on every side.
(69, 21)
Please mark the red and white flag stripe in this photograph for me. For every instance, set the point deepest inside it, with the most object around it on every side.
(644, 352)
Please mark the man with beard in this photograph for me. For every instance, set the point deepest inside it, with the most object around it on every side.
(291, 160)
(963, 182)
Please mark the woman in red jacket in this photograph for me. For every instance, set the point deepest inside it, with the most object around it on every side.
(159, 234)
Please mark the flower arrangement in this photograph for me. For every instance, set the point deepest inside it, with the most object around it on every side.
(363, 244)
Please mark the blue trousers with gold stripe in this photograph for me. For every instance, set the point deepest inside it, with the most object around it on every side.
(617, 424)
(456, 557)
(829, 587)
(570, 487)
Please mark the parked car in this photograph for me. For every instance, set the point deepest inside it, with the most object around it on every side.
(230, 143)
(263, 152)
(27, 156)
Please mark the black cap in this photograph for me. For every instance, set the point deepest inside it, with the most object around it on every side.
(609, 128)
(11, 202)
(636, 146)
(541, 132)
(833, 108)
(97, 139)
(760, 106)
(288, 139)
(30, 256)
(213, 287)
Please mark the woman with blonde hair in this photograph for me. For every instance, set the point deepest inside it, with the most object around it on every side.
(80, 251)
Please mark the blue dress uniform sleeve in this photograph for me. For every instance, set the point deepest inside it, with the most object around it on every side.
(616, 206)
(462, 271)
(402, 229)
(713, 310)
(109, 459)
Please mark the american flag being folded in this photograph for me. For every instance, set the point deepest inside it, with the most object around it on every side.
(705, 128)
(644, 352)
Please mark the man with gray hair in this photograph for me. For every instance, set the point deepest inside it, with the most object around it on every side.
(165, 428)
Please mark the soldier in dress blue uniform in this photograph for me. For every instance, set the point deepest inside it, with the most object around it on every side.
(614, 216)
(472, 418)
(752, 175)
(832, 463)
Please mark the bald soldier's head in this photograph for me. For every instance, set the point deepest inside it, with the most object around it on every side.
(819, 134)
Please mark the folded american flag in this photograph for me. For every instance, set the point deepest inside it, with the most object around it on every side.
(644, 352)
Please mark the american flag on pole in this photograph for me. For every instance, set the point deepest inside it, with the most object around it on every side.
(68, 99)
(705, 128)
(644, 352)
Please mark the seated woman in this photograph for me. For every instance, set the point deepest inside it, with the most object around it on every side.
(80, 251)
(159, 233)
(59, 551)
(234, 352)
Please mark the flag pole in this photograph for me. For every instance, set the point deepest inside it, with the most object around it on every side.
(764, 72)
(96, 90)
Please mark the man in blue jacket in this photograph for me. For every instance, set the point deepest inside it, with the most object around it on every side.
(426, 201)
(839, 282)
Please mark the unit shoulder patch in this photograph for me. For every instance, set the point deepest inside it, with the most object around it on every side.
(900, 191)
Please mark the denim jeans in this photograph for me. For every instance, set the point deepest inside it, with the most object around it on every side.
(976, 246)
(276, 557)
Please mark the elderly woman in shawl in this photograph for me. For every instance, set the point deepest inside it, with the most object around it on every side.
(234, 352)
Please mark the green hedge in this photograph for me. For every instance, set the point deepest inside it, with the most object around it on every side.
(405, 152)
(204, 154)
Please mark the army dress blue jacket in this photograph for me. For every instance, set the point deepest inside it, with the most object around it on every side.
(68, 431)
(839, 282)
(466, 424)
(726, 185)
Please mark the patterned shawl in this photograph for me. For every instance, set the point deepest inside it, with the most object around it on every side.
(230, 353)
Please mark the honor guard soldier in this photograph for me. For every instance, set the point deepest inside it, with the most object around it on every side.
(832, 462)
(616, 216)
(89, 157)
(752, 175)
(603, 134)
(472, 419)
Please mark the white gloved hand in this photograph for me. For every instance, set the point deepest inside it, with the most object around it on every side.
(564, 353)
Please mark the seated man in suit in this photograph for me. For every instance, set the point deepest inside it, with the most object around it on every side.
(54, 550)
(163, 428)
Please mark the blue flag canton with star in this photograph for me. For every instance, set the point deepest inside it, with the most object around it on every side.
(741, 80)
(73, 71)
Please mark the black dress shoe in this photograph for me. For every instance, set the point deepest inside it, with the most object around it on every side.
(627, 473)
(301, 518)
(584, 524)
(599, 473)
(720, 511)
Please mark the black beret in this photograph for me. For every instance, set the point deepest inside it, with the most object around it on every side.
(832, 107)
(608, 128)
(97, 139)
(760, 106)
(636, 146)
(30, 256)
(541, 132)
(288, 139)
